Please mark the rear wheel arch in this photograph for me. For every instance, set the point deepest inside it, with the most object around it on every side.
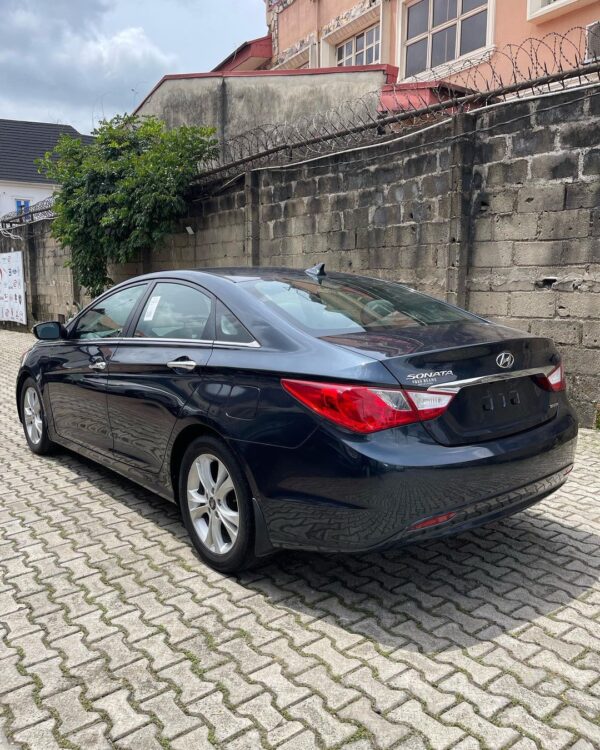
(263, 546)
(23, 376)
(185, 437)
(180, 445)
(220, 522)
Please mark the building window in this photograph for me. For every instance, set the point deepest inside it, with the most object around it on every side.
(22, 205)
(438, 31)
(363, 49)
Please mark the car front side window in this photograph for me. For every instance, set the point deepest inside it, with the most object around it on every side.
(176, 311)
(107, 317)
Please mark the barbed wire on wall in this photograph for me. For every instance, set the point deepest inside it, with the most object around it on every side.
(535, 67)
(7, 234)
(38, 211)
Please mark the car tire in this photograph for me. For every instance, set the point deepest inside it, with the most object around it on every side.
(33, 415)
(216, 505)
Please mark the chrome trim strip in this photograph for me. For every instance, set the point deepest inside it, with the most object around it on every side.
(456, 385)
(235, 345)
(158, 341)
(168, 342)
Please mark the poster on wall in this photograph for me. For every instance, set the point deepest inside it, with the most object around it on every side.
(12, 288)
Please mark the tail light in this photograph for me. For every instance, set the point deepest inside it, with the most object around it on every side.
(555, 381)
(364, 409)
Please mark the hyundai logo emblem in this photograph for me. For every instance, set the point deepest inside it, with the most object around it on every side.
(505, 360)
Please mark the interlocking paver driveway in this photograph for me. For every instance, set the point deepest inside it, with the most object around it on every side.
(114, 635)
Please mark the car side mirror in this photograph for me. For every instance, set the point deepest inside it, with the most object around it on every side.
(51, 331)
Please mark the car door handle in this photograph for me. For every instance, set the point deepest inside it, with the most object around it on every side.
(99, 365)
(182, 364)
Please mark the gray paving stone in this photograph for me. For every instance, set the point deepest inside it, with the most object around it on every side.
(494, 738)
(125, 719)
(197, 739)
(285, 691)
(225, 724)
(545, 735)
(439, 735)
(329, 728)
(385, 733)
(173, 720)
(72, 714)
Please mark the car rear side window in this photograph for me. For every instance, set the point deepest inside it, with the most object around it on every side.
(176, 311)
(107, 317)
(229, 328)
(330, 306)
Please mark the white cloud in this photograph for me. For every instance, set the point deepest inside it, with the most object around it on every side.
(116, 54)
(62, 65)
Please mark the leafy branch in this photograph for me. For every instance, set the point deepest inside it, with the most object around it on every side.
(124, 192)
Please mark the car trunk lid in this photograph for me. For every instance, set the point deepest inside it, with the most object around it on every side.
(494, 368)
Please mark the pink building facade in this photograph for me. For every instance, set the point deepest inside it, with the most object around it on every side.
(319, 54)
(423, 39)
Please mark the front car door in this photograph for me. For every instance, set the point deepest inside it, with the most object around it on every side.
(156, 369)
(77, 373)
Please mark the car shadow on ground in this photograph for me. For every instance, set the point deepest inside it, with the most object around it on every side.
(446, 595)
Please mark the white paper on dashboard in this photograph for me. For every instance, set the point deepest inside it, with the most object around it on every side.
(151, 309)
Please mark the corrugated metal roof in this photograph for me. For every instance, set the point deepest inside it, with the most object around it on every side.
(21, 143)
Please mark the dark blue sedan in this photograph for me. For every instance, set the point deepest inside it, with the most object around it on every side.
(302, 409)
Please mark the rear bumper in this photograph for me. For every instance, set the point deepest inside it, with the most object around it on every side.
(353, 494)
(477, 514)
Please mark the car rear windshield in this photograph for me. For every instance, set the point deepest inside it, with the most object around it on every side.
(330, 306)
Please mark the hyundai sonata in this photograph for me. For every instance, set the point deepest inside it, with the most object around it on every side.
(302, 409)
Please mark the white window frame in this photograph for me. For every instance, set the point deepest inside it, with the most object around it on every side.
(350, 59)
(473, 57)
(540, 11)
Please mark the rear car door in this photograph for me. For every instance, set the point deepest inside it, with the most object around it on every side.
(156, 369)
(77, 374)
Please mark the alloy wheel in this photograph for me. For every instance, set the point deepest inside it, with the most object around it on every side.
(213, 504)
(33, 416)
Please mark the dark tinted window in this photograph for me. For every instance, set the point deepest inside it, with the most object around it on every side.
(443, 10)
(229, 328)
(443, 46)
(473, 33)
(416, 57)
(107, 317)
(468, 5)
(418, 18)
(336, 306)
(176, 311)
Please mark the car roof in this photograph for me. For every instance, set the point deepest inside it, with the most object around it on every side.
(245, 273)
(240, 274)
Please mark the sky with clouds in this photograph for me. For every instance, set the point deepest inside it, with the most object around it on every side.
(77, 61)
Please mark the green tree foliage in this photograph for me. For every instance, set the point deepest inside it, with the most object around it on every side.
(124, 192)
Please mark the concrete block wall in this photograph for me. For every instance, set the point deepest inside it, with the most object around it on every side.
(50, 290)
(218, 239)
(382, 211)
(55, 288)
(535, 228)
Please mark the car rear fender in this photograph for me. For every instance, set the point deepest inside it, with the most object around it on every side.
(195, 428)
